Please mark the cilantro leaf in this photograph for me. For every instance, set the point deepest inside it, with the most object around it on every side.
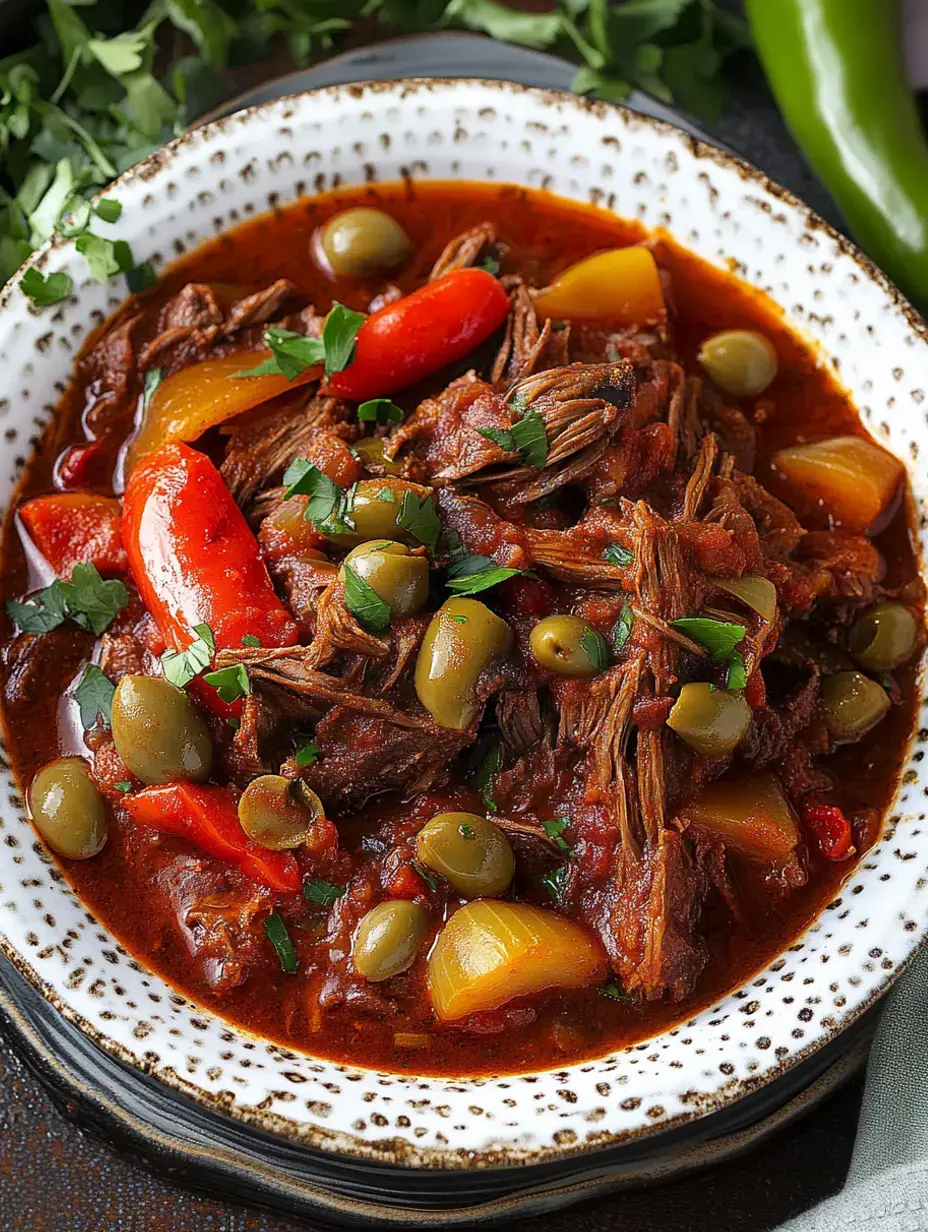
(425, 875)
(490, 264)
(616, 555)
(418, 515)
(554, 827)
(363, 602)
(467, 831)
(230, 683)
(124, 786)
(291, 354)
(527, 437)
(615, 992)
(481, 579)
(380, 411)
(338, 337)
(249, 639)
(596, 650)
(108, 209)
(555, 882)
(100, 255)
(153, 378)
(323, 893)
(180, 666)
(484, 776)
(307, 754)
(737, 673)
(719, 637)
(94, 696)
(42, 613)
(329, 505)
(622, 629)
(279, 937)
(92, 602)
(46, 289)
(140, 277)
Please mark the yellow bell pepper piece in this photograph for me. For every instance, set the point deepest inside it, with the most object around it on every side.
(621, 286)
(203, 395)
(492, 951)
(849, 478)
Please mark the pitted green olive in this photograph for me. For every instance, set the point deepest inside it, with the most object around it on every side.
(159, 733)
(852, 703)
(370, 451)
(67, 810)
(364, 241)
(884, 637)
(462, 639)
(273, 817)
(388, 938)
(568, 646)
(375, 510)
(710, 720)
(758, 593)
(393, 573)
(741, 362)
(472, 854)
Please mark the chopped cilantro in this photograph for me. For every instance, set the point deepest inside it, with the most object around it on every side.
(419, 516)
(46, 289)
(554, 827)
(622, 629)
(292, 353)
(719, 637)
(425, 875)
(364, 602)
(231, 683)
(737, 674)
(615, 992)
(615, 554)
(380, 411)
(596, 650)
(321, 892)
(249, 639)
(124, 786)
(555, 882)
(467, 831)
(527, 437)
(484, 776)
(86, 599)
(180, 666)
(469, 574)
(153, 378)
(307, 754)
(108, 209)
(94, 696)
(329, 506)
(279, 937)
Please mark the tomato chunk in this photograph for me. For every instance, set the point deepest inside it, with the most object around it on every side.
(74, 527)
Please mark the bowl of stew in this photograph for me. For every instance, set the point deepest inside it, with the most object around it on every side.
(463, 625)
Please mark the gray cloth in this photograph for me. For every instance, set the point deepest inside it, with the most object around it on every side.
(887, 1183)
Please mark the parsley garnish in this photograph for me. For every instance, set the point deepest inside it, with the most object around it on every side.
(249, 639)
(380, 411)
(615, 554)
(484, 776)
(490, 264)
(307, 754)
(153, 378)
(86, 599)
(233, 722)
(622, 629)
(425, 875)
(596, 650)
(527, 437)
(279, 937)
(124, 786)
(293, 353)
(554, 827)
(385, 495)
(231, 683)
(555, 882)
(459, 619)
(719, 637)
(469, 574)
(329, 505)
(418, 516)
(467, 831)
(108, 209)
(364, 602)
(46, 289)
(94, 696)
(737, 673)
(141, 277)
(180, 666)
(615, 992)
(323, 893)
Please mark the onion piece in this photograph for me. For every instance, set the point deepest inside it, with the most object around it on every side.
(757, 593)
(748, 812)
(492, 951)
(847, 478)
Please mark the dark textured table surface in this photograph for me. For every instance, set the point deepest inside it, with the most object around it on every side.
(55, 1178)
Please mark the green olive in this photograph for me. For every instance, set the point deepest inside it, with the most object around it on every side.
(711, 720)
(375, 510)
(159, 732)
(67, 810)
(273, 816)
(884, 637)
(757, 593)
(393, 573)
(388, 938)
(852, 704)
(462, 639)
(364, 241)
(472, 854)
(741, 362)
(568, 646)
(370, 451)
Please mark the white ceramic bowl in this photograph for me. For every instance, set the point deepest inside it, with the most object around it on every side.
(729, 214)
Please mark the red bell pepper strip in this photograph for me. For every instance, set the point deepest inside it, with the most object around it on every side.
(74, 527)
(194, 558)
(423, 332)
(207, 817)
(830, 829)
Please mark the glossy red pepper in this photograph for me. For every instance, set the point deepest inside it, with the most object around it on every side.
(207, 817)
(422, 333)
(74, 527)
(194, 558)
(830, 829)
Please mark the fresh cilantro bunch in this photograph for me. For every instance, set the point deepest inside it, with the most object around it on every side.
(97, 92)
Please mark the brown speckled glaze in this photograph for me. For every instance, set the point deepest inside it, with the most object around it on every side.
(729, 214)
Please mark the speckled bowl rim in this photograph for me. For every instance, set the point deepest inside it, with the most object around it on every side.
(399, 1151)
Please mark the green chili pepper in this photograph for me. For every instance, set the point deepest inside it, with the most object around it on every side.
(836, 68)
